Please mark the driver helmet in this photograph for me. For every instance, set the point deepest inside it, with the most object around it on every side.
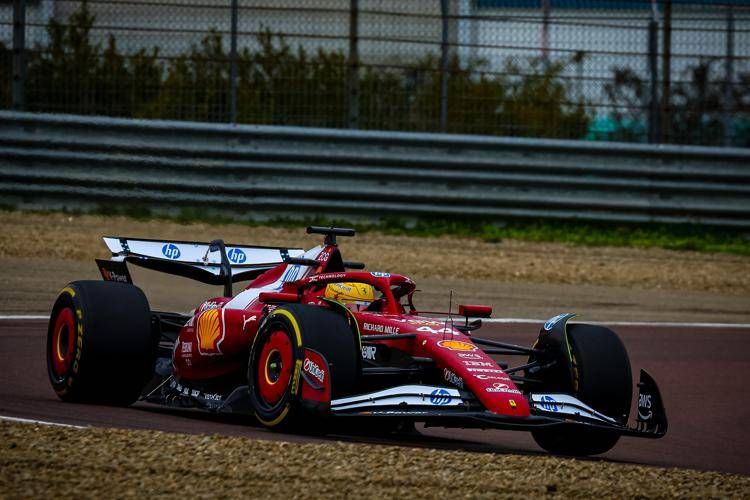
(355, 295)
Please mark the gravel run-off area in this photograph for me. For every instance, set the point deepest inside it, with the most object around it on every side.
(106, 463)
(41, 253)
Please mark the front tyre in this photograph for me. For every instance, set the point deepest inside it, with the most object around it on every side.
(602, 380)
(278, 353)
(99, 344)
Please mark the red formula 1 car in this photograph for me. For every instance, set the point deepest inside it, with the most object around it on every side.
(315, 336)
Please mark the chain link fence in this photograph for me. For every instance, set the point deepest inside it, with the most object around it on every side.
(643, 71)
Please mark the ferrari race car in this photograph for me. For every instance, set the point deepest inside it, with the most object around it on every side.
(314, 339)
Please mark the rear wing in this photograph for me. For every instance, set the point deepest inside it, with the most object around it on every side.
(194, 260)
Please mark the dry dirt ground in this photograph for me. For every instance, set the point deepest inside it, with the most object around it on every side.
(107, 463)
(40, 253)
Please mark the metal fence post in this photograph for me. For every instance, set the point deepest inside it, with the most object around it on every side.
(666, 82)
(233, 66)
(729, 68)
(545, 30)
(19, 55)
(653, 114)
(352, 95)
(444, 67)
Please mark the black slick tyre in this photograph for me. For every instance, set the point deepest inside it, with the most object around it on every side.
(99, 344)
(602, 379)
(277, 355)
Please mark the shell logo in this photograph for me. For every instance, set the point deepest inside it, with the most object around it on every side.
(209, 332)
(457, 345)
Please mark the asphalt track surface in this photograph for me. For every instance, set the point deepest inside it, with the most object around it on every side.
(702, 372)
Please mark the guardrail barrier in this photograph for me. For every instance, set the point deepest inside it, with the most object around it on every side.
(66, 160)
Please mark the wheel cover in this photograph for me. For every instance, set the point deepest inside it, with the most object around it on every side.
(274, 370)
(63, 342)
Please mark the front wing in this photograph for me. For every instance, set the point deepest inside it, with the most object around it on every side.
(449, 407)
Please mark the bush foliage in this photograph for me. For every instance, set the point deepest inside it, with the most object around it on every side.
(281, 85)
(696, 106)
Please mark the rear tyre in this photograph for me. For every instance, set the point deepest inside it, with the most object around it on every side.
(278, 352)
(602, 380)
(99, 344)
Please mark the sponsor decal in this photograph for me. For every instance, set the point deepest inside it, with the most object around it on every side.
(209, 331)
(79, 343)
(368, 352)
(187, 347)
(469, 355)
(452, 378)
(184, 390)
(424, 322)
(456, 345)
(248, 320)
(295, 376)
(549, 403)
(552, 321)
(291, 273)
(380, 275)
(443, 330)
(374, 327)
(236, 256)
(312, 368)
(327, 276)
(500, 387)
(171, 251)
(485, 370)
(512, 403)
(113, 276)
(478, 363)
(440, 397)
(644, 407)
(482, 376)
(209, 305)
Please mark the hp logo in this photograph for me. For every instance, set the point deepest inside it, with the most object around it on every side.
(171, 251)
(440, 397)
(236, 255)
(549, 403)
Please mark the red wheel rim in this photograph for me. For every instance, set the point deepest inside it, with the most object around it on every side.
(274, 369)
(63, 341)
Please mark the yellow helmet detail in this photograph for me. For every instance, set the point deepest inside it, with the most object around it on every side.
(351, 293)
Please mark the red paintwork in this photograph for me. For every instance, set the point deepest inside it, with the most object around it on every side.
(461, 362)
(62, 346)
(280, 347)
(474, 311)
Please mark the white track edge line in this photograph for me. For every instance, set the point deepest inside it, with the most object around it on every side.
(21, 316)
(666, 324)
(40, 422)
(625, 323)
